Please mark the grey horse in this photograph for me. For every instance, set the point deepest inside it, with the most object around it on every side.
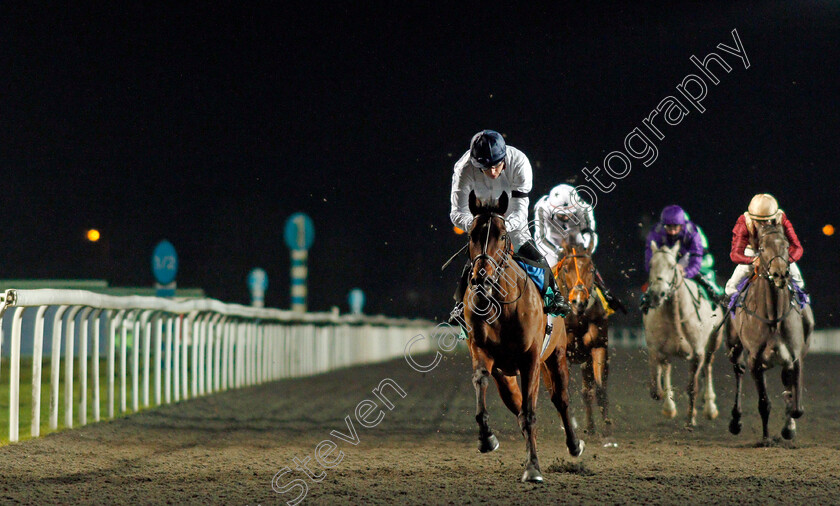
(679, 323)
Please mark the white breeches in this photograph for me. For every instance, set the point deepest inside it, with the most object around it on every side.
(745, 270)
(552, 259)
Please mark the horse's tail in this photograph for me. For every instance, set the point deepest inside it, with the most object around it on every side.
(807, 324)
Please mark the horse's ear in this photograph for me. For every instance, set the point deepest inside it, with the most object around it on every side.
(503, 204)
(675, 249)
(473, 203)
(653, 246)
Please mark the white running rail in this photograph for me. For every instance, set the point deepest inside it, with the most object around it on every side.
(189, 348)
(821, 341)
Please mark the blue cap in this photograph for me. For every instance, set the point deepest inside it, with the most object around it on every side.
(487, 149)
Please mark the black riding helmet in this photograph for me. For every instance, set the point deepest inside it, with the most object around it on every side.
(487, 148)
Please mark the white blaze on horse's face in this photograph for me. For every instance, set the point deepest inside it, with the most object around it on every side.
(663, 271)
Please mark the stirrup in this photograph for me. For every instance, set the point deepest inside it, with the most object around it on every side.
(455, 319)
(456, 315)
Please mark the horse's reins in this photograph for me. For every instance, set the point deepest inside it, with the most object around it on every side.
(500, 266)
(763, 271)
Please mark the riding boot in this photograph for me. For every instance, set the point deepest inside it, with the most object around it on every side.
(456, 316)
(709, 287)
(612, 301)
(554, 303)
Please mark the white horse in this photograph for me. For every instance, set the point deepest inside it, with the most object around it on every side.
(679, 323)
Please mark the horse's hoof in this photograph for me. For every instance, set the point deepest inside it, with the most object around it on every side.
(797, 413)
(689, 425)
(711, 414)
(577, 452)
(532, 476)
(788, 433)
(735, 426)
(488, 445)
(655, 395)
(669, 414)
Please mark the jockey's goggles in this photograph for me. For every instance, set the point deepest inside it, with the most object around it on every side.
(483, 168)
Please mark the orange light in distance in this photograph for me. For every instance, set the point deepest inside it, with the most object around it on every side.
(93, 235)
(458, 230)
(828, 230)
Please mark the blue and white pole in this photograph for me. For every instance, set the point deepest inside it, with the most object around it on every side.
(356, 301)
(299, 234)
(257, 283)
(300, 272)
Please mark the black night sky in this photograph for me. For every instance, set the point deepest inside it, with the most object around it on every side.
(209, 126)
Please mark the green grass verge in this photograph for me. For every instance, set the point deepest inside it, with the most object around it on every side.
(25, 416)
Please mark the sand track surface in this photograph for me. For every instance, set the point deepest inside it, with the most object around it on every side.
(226, 448)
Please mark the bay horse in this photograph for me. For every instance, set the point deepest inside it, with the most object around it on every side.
(679, 323)
(586, 326)
(503, 312)
(772, 329)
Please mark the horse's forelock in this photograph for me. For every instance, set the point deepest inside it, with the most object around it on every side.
(770, 227)
(485, 218)
(775, 233)
(662, 259)
(488, 206)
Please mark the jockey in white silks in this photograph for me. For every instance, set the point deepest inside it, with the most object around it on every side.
(564, 215)
(560, 215)
(488, 169)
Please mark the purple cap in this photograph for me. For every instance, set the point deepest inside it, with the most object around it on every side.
(673, 215)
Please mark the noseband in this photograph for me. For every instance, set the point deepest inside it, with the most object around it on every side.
(579, 284)
(673, 285)
(506, 250)
(763, 271)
